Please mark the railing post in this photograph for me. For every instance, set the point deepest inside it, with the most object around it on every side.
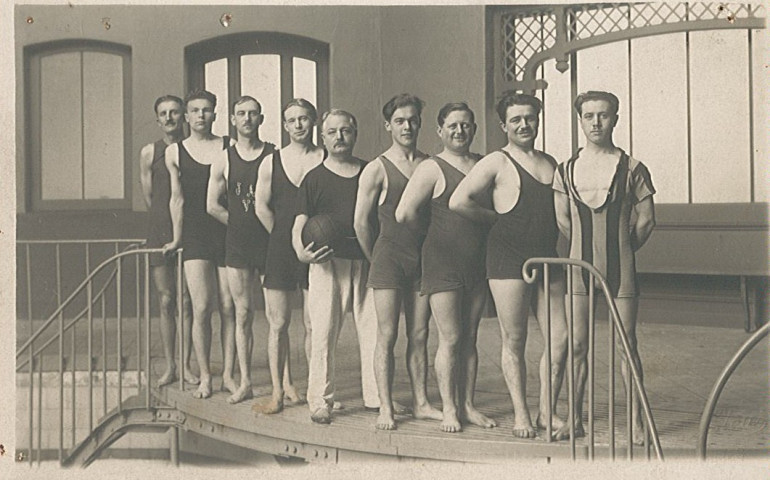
(548, 347)
(89, 294)
(138, 330)
(571, 363)
(31, 402)
(611, 387)
(39, 409)
(72, 406)
(61, 356)
(104, 356)
(147, 319)
(629, 409)
(180, 318)
(174, 445)
(119, 308)
(29, 293)
(591, 370)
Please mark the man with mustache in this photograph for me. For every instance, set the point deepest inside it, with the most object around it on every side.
(201, 235)
(523, 226)
(395, 259)
(604, 206)
(156, 191)
(230, 199)
(337, 276)
(452, 264)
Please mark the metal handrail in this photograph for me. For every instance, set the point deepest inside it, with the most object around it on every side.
(75, 293)
(529, 274)
(76, 318)
(716, 391)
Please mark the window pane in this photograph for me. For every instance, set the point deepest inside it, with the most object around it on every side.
(660, 113)
(719, 113)
(261, 79)
(305, 83)
(60, 127)
(761, 102)
(606, 68)
(103, 150)
(558, 113)
(216, 83)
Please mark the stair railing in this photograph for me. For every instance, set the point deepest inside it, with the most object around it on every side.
(530, 275)
(32, 358)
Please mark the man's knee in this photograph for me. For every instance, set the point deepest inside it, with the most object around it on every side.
(167, 300)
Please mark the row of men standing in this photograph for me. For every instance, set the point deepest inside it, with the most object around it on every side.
(439, 218)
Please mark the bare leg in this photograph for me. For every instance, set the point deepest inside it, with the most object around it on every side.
(187, 318)
(580, 352)
(512, 299)
(628, 309)
(241, 283)
(387, 304)
(277, 303)
(163, 277)
(290, 394)
(473, 306)
(417, 313)
(201, 282)
(227, 331)
(446, 307)
(558, 349)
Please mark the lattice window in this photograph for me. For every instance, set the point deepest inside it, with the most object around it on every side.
(523, 36)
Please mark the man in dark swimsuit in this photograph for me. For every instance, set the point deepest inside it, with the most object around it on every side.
(230, 200)
(169, 114)
(452, 264)
(337, 276)
(276, 206)
(395, 259)
(201, 235)
(523, 226)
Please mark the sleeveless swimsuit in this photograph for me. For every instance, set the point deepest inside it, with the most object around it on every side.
(159, 231)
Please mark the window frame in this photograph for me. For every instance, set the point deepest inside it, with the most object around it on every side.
(236, 45)
(32, 80)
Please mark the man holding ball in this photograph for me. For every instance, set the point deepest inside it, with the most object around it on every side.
(337, 275)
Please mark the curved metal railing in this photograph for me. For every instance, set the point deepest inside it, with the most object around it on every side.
(651, 433)
(32, 358)
(716, 391)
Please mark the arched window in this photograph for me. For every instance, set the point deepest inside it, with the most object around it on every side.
(78, 125)
(272, 67)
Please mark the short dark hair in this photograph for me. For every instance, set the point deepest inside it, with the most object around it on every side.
(167, 98)
(399, 101)
(302, 103)
(454, 107)
(336, 112)
(593, 95)
(201, 95)
(511, 98)
(244, 99)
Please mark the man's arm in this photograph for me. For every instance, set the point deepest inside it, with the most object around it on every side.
(263, 193)
(479, 179)
(305, 254)
(645, 223)
(145, 172)
(561, 205)
(369, 188)
(217, 189)
(176, 202)
(418, 190)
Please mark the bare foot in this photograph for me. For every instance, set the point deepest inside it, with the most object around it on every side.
(399, 409)
(338, 405)
(204, 390)
(322, 415)
(291, 396)
(557, 425)
(477, 418)
(229, 384)
(190, 377)
(427, 412)
(522, 428)
(243, 393)
(270, 408)
(450, 423)
(563, 432)
(385, 421)
(638, 435)
(167, 378)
